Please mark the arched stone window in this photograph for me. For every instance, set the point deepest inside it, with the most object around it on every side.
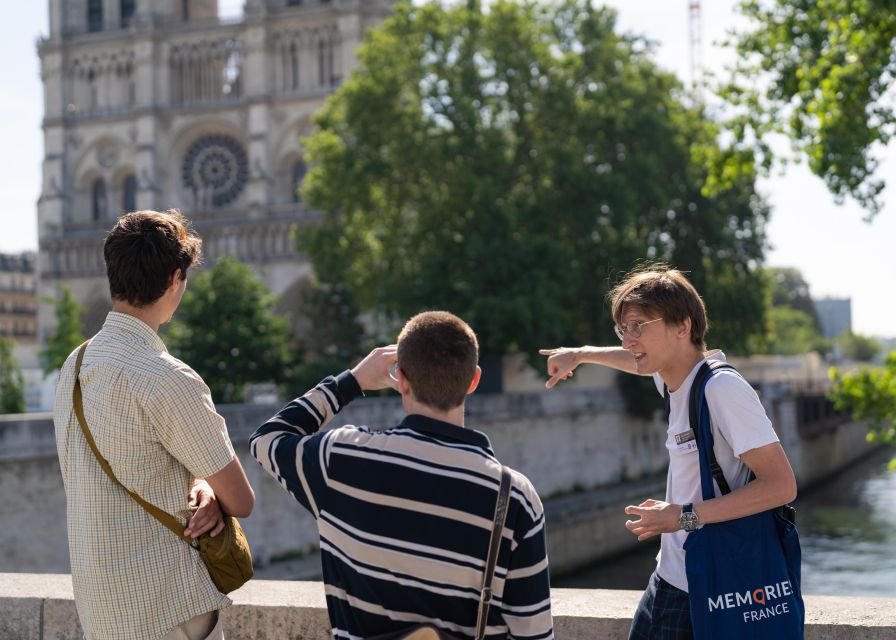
(322, 59)
(299, 169)
(94, 15)
(129, 194)
(294, 66)
(127, 8)
(99, 199)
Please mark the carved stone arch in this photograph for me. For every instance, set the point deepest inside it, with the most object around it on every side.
(123, 190)
(85, 183)
(287, 153)
(102, 158)
(89, 157)
(313, 36)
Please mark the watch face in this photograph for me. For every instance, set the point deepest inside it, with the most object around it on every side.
(689, 521)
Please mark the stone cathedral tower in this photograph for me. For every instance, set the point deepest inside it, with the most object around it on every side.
(152, 104)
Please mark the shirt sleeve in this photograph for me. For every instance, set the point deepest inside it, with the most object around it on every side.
(526, 601)
(187, 424)
(290, 447)
(737, 414)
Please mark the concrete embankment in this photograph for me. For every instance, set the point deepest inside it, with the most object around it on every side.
(41, 607)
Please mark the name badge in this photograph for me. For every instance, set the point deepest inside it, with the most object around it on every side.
(686, 441)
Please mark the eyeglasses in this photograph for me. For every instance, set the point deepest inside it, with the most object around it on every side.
(632, 328)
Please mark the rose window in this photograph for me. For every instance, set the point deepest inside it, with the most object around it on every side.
(215, 170)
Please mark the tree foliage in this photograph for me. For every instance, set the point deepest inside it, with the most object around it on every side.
(790, 289)
(12, 383)
(225, 329)
(333, 339)
(870, 394)
(819, 72)
(510, 164)
(792, 332)
(858, 347)
(67, 334)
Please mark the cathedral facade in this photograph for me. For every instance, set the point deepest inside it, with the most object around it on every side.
(155, 104)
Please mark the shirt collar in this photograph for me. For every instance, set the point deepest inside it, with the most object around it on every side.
(124, 323)
(447, 431)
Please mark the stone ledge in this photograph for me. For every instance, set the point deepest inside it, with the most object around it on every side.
(40, 607)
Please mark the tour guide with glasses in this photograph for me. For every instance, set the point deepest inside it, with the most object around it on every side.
(729, 561)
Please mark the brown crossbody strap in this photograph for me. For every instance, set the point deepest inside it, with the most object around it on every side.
(494, 545)
(165, 518)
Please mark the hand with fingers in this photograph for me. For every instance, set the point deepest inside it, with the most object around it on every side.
(656, 517)
(561, 363)
(208, 516)
(373, 372)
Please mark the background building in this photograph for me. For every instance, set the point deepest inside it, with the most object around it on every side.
(153, 104)
(835, 315)
(18, 321)
(18, 298)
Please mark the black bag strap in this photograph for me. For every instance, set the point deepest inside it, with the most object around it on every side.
(494, 545)
(706, 369)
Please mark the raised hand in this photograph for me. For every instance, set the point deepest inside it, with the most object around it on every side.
(561, 363)
(372, 372)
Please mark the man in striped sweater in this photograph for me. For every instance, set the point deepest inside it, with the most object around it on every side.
(405, 514)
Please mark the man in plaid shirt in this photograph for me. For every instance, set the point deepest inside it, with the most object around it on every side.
(154, 421)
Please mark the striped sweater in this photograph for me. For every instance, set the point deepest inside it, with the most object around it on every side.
(404, 517)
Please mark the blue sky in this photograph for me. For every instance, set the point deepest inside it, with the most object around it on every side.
(838, 253)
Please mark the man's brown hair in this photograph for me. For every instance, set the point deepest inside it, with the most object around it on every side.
(144, 249)
(663, 293)
(438, 353)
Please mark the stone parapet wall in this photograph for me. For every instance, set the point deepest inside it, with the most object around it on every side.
(586, 457)
(41, 607)
(566, 443)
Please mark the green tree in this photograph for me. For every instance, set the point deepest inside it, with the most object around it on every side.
(858, 347)
(12, 383)
(510, 164)
(792, 332)
(68, 332)
(821, 74)
(871, 395)
(226, 330)
(333, 338)
(790, 289)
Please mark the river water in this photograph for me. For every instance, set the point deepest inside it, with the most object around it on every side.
(847, 529)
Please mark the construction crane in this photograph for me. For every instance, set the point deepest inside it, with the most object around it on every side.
(695, 33)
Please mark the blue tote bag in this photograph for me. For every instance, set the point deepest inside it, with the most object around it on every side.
(744, 574)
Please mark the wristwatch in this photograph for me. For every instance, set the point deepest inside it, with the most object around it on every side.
(688, 519)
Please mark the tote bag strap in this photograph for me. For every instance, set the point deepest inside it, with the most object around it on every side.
(163, 517)
(494, 545)
(695, 401)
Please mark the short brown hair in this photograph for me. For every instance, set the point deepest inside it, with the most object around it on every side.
(438, 353)
(665, 293)
(143, 249)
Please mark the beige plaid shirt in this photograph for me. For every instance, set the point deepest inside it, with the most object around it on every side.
(153, 419)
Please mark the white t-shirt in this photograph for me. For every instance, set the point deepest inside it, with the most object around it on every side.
(739, 424)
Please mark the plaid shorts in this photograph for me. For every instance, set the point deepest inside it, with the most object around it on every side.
(663, 613)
